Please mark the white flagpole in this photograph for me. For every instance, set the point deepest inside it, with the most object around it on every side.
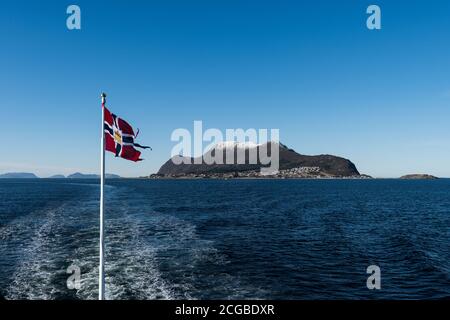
(101, 278)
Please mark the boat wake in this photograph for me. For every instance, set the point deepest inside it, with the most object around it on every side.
(148, 254)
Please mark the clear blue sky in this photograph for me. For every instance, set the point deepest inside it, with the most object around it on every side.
(310, 68)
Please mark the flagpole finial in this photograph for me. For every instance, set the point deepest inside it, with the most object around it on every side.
(103, 96)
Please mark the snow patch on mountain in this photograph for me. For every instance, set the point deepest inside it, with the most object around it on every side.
(236, 144)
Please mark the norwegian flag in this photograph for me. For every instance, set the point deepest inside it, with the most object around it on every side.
(119, 137)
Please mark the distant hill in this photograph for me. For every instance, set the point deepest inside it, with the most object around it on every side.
(418, 177)
(78, 175)
(292, 164)
(18, 175)
(57, 176)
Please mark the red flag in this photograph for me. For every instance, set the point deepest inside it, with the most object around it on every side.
(119, 137)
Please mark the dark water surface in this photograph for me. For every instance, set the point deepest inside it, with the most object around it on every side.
(209, 239)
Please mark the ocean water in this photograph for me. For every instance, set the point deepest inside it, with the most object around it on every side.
(227, 239)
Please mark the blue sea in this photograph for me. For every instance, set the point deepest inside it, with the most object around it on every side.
(226, 239)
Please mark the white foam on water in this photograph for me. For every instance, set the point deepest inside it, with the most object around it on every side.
(33, 277)
(137, 242)
(38, 244)
(130, 270)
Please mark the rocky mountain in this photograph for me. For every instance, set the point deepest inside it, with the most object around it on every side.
(18, 175)
(291, 164)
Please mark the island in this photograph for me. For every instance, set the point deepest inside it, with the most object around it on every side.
(78, 175)
(291, 165)
(418, 176)
(57, 176)
(18, 175)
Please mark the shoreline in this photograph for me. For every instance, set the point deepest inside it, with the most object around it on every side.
(277, 178)
(227, 178)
